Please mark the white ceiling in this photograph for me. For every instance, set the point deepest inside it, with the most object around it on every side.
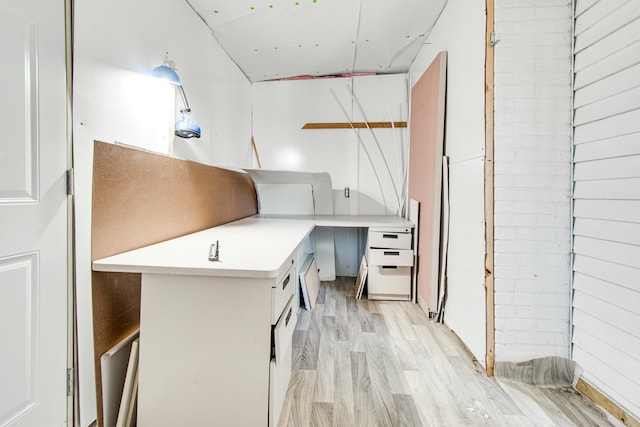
(274, 39)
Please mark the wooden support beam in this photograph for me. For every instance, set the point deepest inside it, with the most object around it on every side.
(603, 401)
(489, 283)
(357, 125)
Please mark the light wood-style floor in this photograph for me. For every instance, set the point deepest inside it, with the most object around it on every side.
(379, 363)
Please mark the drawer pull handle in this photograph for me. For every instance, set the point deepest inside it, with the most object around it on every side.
(285, 282)
(394, 253)
(389, 236)
(286, 321)
(390, 267)
(214, 251)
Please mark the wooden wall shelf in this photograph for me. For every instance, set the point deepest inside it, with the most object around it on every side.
(357, 125)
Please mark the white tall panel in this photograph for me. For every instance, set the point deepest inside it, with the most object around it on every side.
(465, 313)
(606, 206)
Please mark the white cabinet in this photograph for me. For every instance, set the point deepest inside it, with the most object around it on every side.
(211, 348)
(390, 258)
(216, 337)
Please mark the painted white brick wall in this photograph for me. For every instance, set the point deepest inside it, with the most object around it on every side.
(532, 178)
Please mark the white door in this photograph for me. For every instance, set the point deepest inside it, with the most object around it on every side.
(33, 214)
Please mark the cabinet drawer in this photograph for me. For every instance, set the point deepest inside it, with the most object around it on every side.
(389, 283)
(394, 257)
(281, 293)
(389, 239)
(283, 332)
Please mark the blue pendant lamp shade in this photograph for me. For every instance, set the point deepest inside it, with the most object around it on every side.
(184, 128)
(166, 73)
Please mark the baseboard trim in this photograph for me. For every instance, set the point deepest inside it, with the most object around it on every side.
(604, 402)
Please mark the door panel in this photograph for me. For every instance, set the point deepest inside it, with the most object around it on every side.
(19, 332)
(18, 159)
(33, 214)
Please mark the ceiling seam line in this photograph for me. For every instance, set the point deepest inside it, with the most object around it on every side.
(355, 48)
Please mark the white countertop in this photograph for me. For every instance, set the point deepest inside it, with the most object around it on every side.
(251, 247)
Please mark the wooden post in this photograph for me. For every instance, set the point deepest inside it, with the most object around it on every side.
(255, 151)
(488, 190)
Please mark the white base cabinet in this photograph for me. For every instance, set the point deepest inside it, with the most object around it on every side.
(389, 258)
(204, 352)
(216, 336)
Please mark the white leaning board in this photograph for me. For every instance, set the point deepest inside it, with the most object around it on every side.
(414, 211)
(114, 365)
(292, 199)
(310, 282)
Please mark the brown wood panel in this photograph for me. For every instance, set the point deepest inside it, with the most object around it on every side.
(603, 401)
(356, 125)
(425, 172)
(141, 198)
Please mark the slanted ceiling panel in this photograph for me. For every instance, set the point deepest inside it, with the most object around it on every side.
(606, 303)
(286, 38)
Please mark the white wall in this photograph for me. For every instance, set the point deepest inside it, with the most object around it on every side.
(532, 178)
(460, 31)
(281, 108)
(116, 44)
(606, 281)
